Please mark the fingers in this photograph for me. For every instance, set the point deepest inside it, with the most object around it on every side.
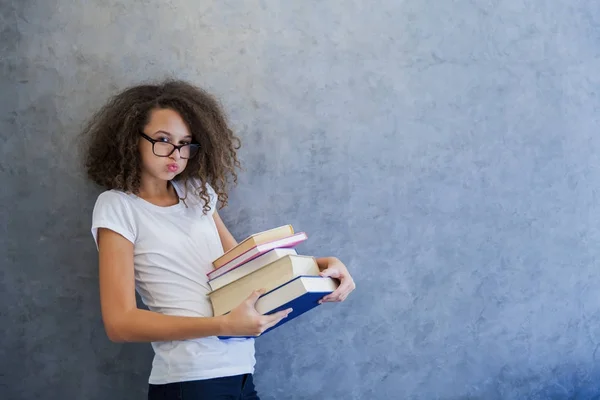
(254, 296)
(273, 319)
(331, 297)
(278, 316)
(344, 296)
(330, 272)
(340, 294)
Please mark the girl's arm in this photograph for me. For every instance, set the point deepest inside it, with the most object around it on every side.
(124, 322)
(227, 238)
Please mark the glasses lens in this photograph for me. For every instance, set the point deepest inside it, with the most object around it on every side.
(184, 152)
(162, 149)
(189, 151)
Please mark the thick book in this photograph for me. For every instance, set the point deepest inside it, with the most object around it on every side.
(302, 294)
(268, 277)
(253, 241)
(256, 251)
(249, 267)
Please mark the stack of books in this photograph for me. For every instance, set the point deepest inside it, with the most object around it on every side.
(268, 260)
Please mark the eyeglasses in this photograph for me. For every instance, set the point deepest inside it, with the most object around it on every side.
(165, 149)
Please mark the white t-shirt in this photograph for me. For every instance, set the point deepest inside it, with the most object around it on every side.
(173, 250)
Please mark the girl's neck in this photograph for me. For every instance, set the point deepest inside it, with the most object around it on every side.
(158, 192)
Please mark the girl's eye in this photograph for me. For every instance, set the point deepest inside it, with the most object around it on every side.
(184, 143)
(163, 139)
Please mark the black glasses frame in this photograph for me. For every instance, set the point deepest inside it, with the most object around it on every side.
(194, 147)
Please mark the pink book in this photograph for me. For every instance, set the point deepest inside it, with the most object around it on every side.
(256, 251)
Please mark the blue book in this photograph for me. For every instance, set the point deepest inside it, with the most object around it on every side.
(302, 294)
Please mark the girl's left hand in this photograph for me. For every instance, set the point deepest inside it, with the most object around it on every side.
(334, 268)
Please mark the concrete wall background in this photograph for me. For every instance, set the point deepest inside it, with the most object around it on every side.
(446, 151)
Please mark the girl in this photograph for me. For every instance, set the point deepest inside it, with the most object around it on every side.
(164, 153)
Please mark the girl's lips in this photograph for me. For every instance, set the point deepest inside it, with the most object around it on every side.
(173, 167)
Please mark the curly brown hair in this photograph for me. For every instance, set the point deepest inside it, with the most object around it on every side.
(112, 159)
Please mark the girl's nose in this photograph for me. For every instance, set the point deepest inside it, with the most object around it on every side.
(176, 154)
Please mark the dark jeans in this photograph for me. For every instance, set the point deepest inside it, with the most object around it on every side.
(239, 387)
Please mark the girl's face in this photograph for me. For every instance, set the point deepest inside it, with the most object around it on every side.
(164, 126)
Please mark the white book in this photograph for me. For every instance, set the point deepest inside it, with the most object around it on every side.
(250, 267)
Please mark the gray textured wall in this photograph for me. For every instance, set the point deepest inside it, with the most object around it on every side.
(446, 150)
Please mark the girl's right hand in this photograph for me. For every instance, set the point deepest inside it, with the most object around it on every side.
(244, 320)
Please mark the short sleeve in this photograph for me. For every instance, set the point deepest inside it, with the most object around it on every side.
(112, 211)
